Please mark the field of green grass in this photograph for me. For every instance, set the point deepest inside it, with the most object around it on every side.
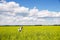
(30, 33)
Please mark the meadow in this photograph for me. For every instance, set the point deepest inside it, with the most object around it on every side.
(30, 33)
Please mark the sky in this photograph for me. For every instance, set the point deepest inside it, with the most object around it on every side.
(30, 12)
(52, 5)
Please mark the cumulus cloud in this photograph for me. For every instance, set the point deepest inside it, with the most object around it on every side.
(11, 13)
(33, 12)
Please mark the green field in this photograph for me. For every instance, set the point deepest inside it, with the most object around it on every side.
(30, 33)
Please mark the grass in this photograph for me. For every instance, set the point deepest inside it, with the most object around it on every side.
(30, 33)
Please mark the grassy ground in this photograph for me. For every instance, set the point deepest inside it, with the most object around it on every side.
(30, 33)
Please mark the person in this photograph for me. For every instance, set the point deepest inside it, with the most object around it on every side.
(20, 29)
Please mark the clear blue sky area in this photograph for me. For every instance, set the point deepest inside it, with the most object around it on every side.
(51, 5)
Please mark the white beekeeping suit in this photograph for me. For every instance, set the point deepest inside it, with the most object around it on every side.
(20, 29)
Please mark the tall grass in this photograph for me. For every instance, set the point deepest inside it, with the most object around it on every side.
(30, 33)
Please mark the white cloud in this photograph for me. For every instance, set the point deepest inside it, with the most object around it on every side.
(11, 13)
(43, 13)
(21, 10)
(33, 11)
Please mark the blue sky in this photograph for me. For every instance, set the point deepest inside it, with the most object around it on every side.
(51, 5)
(30, 12)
